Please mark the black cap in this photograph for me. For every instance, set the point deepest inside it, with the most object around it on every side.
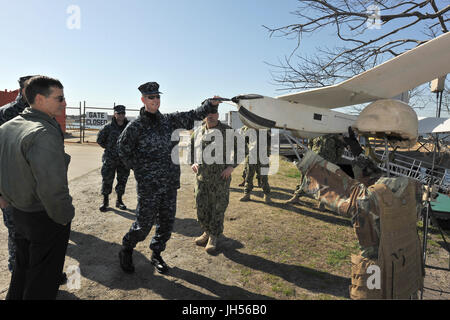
(119, 108)
(149, 88)
(23, 79)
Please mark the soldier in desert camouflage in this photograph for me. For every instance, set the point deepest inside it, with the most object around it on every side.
(257, 167)
(212, 180)
(244, 172)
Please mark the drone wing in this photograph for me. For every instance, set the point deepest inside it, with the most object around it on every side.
(387, 80)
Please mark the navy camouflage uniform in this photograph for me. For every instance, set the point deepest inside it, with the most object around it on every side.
(107, 139)
(8, 112)
(146, 147)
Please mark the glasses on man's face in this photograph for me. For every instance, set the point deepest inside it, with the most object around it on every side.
(156, 96)
(60, 98)
(120, 113)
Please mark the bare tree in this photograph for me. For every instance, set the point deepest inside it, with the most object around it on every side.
(358, 49)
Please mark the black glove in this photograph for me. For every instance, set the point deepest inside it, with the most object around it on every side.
(209, 107)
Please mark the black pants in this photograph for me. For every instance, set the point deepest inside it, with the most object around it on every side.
(41, 246)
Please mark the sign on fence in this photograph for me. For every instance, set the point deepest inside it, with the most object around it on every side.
(96, 119)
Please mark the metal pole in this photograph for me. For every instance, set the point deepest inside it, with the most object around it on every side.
(425, 233)
(437, 104)
(386, 160)
(84, 119)
(426, 218)
(439, 95)
(289, 138)
(80, 123)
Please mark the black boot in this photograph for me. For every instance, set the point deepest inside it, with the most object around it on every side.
(120, 204)
(158, 262)
(105, 205)
(126, 260)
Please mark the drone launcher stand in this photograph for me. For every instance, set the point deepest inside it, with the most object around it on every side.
(429, 215)
(291, 139)
(429, 212)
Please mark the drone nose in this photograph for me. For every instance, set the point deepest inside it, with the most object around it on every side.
(235, 99)
(246, 97)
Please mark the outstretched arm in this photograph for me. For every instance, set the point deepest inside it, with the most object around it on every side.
(186, 120)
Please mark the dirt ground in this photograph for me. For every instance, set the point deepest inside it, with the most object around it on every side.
(277, 251)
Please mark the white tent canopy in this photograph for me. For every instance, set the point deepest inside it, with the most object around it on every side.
(428, 125)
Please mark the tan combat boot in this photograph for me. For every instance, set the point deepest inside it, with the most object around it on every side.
(295, 199)
(202, 240)
(267, 198)
(246, 197)
(212, 243)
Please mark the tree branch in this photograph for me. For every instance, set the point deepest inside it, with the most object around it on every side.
(440, 17)
(356, 49)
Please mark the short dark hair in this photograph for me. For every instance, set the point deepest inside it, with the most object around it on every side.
(40, 85)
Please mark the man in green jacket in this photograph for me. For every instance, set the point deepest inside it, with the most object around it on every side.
(32, 152)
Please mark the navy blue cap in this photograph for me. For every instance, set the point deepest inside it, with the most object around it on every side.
(119, 108)
(149, 88)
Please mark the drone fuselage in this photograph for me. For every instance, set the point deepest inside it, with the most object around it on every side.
(302, 120)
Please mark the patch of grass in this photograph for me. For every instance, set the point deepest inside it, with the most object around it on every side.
(355, 246)
(246, 275)
(246, 272)
(337, 257)
(266, 240)
(279, 286)
(286, 254)
(283, 289)
(292, 173)
(432, 246)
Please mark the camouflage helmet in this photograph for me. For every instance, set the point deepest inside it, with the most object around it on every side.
(391, 118)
